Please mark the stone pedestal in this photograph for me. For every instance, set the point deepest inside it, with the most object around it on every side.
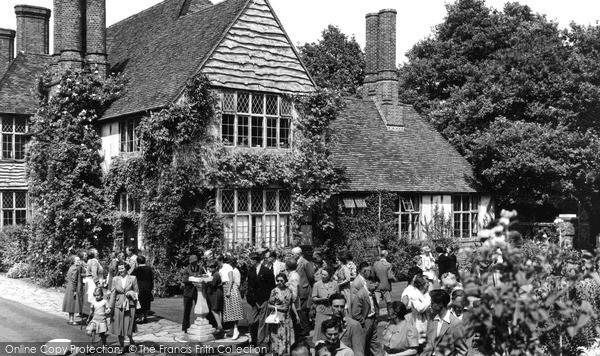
(201, 330)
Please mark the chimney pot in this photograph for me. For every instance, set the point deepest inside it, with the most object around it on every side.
(33, 29)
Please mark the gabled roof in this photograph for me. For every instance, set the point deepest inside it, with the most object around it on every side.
(417, 159)
(159, 51)
(19, 84)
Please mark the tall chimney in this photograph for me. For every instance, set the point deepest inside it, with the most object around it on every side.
(33, 29)
(381, 79)
(7, 49)
(57, 27)
(387, 77)
(72, 34)
(96, 35)
(371, 55)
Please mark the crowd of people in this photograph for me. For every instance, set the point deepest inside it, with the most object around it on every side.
(112, 299)
(333, 304)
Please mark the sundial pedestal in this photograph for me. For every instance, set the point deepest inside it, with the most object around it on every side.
(201, 330)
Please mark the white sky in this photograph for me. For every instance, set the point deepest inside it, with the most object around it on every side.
(304, 20)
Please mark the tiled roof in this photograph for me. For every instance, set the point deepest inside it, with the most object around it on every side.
(158, 51)
(19, 84)
(12, 175)
(417, 159)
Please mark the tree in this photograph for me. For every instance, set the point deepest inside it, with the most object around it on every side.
(335, 62)
(518, 97)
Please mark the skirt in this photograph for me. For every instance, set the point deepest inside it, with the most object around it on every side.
(233, 306)
(215, 300)
(123, 322)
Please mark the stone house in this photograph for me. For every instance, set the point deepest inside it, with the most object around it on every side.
(241, 46)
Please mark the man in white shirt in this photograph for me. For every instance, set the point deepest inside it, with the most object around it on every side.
(445, 333)
(417, 300)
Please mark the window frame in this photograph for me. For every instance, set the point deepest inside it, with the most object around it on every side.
(24, 136)
(472, 225)
(245, 224)
(14, 210)
(129, 140)
(254, 127)
(409, 216)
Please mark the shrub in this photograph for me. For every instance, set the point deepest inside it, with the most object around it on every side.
(20, 270)
(539, 301)
(13, 245)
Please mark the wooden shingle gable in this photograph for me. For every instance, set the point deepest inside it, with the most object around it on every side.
(256, 55)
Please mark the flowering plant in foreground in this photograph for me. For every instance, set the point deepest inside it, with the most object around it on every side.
(522, 306)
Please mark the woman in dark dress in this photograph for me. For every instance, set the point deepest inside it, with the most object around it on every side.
(214, 291)
(145, 279)
(70, 303)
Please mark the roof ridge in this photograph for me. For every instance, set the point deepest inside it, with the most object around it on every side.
(138, 14)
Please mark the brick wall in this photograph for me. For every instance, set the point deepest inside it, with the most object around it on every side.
(33, 29)
(96, 34)
(7, 48)
(57, 26)
(72, 34)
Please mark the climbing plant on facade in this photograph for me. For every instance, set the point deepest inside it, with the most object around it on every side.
(63, 170)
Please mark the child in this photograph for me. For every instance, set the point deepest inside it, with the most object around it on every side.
(214, 291)
(97, 320)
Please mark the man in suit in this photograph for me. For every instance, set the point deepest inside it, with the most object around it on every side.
(260, 284)
(383, 270)
(365, 310)
(360, 282)
(306, 273)
(445, 333)
(190, 293)
(352, 334)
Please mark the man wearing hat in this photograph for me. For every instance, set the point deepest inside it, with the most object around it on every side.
(190, 293)
(260, 284)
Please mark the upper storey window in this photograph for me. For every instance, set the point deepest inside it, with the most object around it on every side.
(128, 139)
(14, 130)
(256, 120)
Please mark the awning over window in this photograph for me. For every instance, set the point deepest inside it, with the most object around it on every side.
(360, 202)
(349, 203)
(354, 202)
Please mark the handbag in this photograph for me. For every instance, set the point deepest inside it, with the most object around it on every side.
(273, 318)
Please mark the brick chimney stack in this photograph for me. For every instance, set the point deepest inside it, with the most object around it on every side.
(96, 35)
(33, 29)
(72, 35)
(7, 48)
(381, 79)
(57, 27)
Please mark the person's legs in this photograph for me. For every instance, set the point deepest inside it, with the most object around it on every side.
(303, 314)
(253, 323)
(371, 337)
(188, 303)
(262, 326)
(387, 296)
(236, 332)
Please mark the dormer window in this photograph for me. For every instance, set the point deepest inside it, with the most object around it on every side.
(14, 130)
(256, 120)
